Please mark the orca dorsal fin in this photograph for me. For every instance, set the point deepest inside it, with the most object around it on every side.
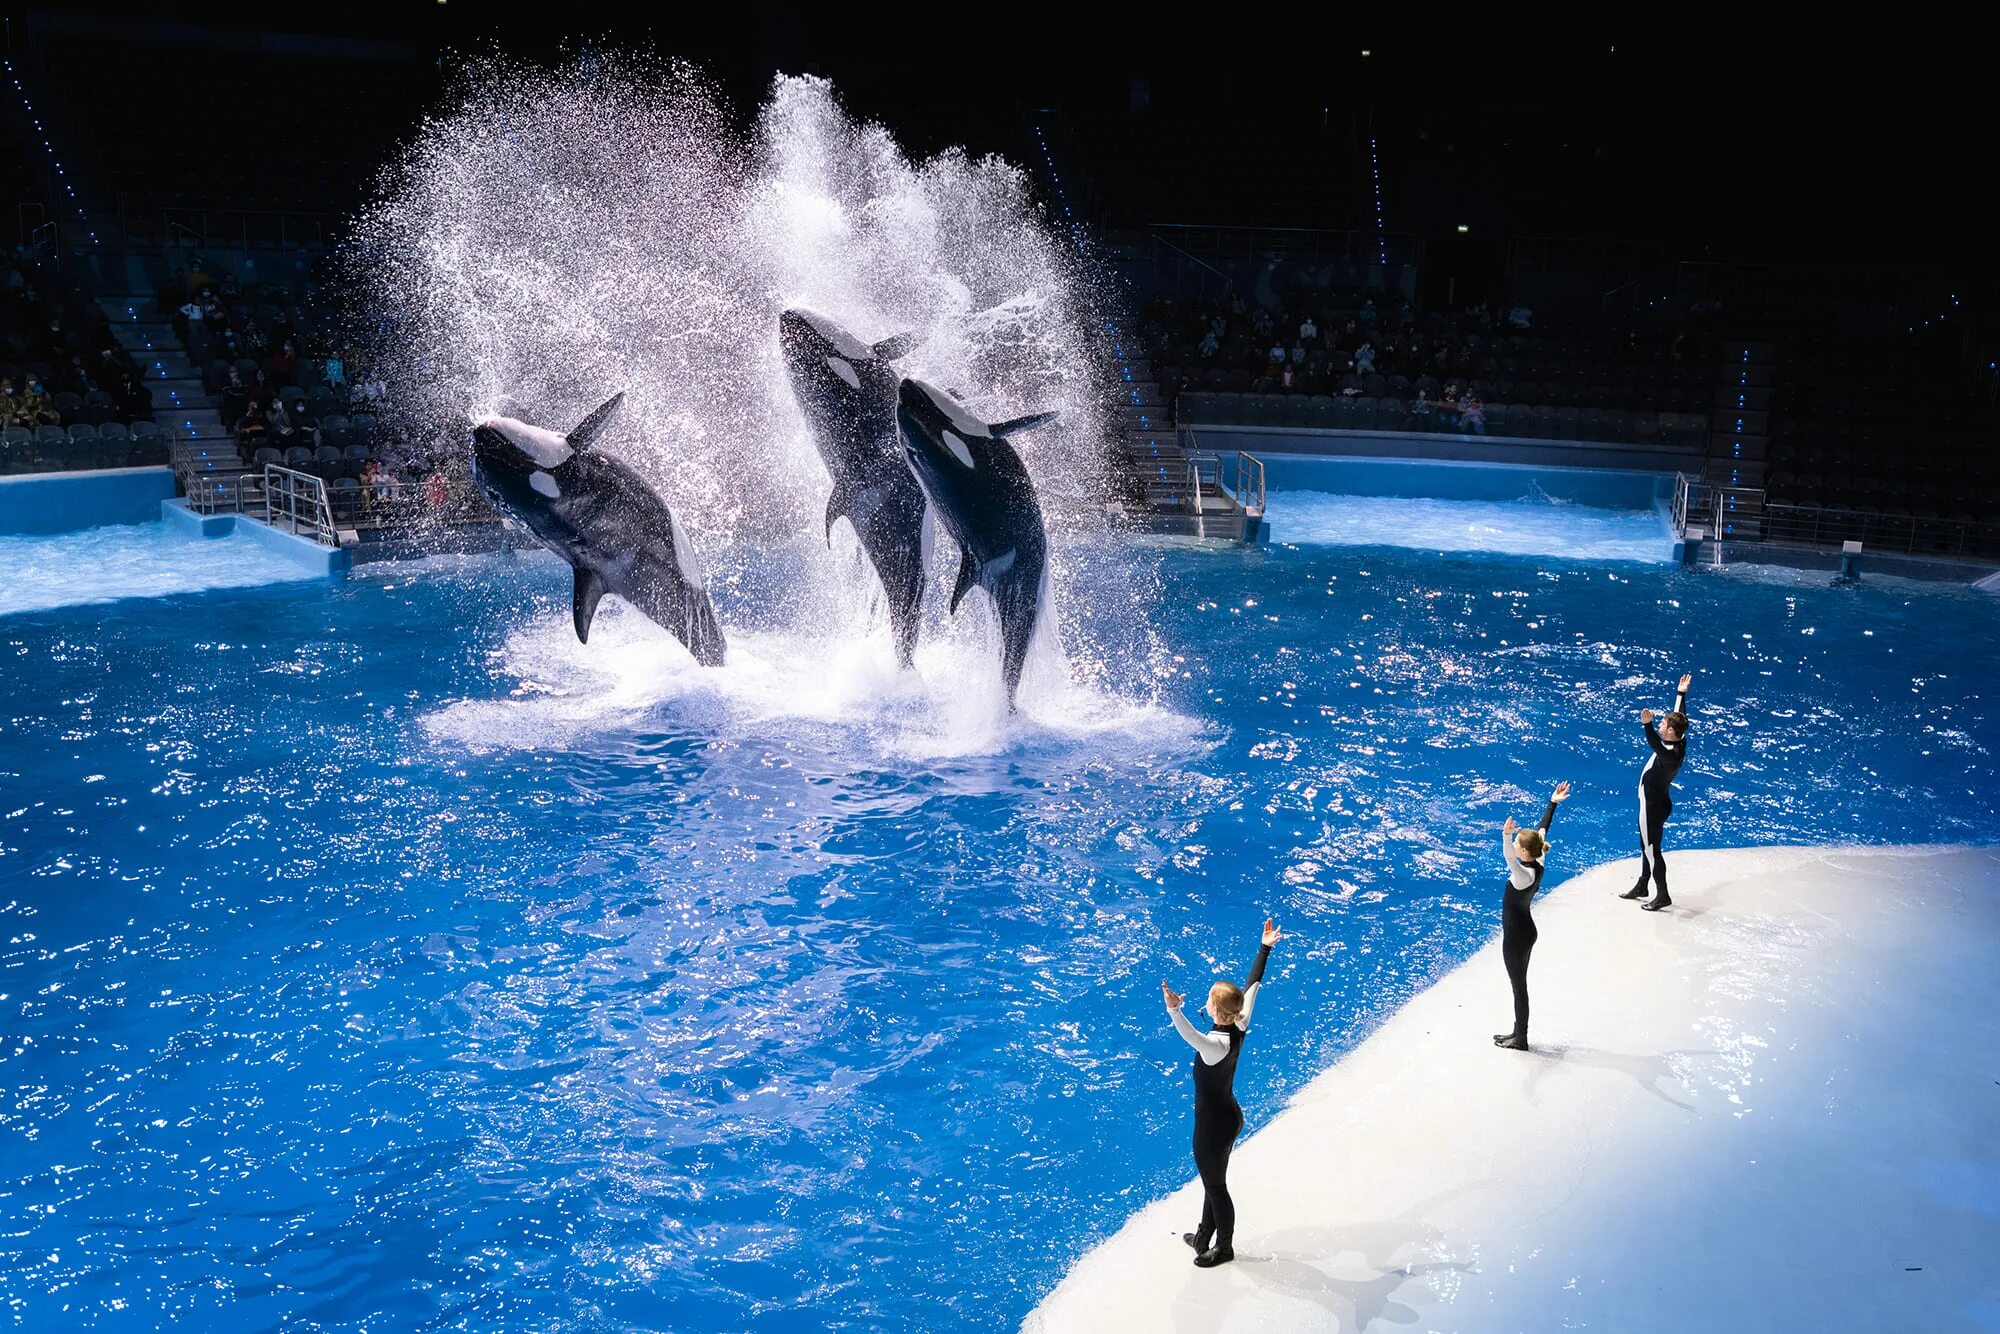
(893, 349)
(583, 601)
(587, 429)
(1018, 424)
(968, 575)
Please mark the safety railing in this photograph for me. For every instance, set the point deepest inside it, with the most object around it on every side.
(1746, 514)
(297, 502)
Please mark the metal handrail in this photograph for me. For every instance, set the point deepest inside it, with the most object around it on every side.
(297, 501)
(1725, 509)
(1249, 471)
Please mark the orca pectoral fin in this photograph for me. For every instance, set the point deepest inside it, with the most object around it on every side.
(892, 349)
(587, 429)
(836, 508)
(968, 575)
(583, 601)
(1020, 424)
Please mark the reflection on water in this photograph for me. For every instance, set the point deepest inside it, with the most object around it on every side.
(376, 953)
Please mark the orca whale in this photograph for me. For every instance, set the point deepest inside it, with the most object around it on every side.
(847, 390)
(601, 517)
(982, 492)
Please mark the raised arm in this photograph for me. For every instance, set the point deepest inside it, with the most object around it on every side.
(1681, 696)
(1556, 798)
(1256, 982)
(1211, 1047)
(1652, 732)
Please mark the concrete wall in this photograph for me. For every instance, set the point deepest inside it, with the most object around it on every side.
(334, 563)
(62, 502)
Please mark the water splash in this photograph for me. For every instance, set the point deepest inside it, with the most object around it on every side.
(558, 235)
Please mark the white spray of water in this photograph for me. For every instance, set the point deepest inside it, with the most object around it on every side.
(561, 236)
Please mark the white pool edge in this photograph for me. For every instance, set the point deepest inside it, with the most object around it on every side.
(1703, 1088)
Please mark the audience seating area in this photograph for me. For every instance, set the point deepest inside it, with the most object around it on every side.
(1353, 367)
(1886, 424)
(70, 396)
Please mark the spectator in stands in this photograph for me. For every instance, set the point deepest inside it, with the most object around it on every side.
(135, 401)
(1210, 344)
(261, 388)
(1298, 354)
(1472, 415)
(1277, 352)
(1422, 407)
(1308, 331)
(10, 405)
(285, 363)
(278, 429)
(437, 491)
(73, 378)
(1520, 317)
(251, 430)
(198, 281)
(255, 341)
(334, 371)
(1364, 358)
(1273, 374)
(234, 396)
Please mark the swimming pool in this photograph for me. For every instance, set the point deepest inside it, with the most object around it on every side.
(372, 954)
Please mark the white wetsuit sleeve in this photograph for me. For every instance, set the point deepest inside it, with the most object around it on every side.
(1211, 1047)
(1249, 1004)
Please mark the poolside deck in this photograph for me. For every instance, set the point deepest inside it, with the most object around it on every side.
(1776, 1107)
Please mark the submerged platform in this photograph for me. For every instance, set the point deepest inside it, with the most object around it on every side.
(1776, 1106)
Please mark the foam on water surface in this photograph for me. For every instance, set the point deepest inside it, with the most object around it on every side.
(1534, 525)
(127, 561)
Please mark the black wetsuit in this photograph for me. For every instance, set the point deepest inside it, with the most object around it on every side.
(1656, 803)
(1218, 1120)
(1518, 933)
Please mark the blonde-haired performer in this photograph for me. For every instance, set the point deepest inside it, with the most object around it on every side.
(1218, 1120)
(1525, 849)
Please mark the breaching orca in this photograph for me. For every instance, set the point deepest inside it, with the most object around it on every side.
(982, 492)
(598, 515)
(847, 391)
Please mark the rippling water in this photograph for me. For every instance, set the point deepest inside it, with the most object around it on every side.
(129, 560)
(377, 957)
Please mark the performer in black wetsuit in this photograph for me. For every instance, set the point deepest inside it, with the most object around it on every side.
(1218, 1120)
(1656, 798)
(1525, 849)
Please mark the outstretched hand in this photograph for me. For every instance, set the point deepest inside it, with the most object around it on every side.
(1173, 999)
(1270, 931)
(1645, 715)
(1561, 793)
(1687, 679)
(1509, 827)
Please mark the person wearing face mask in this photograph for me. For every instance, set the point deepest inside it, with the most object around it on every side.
(35, 408)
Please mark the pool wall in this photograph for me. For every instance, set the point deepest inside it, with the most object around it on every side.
(63, 502)
(1266, 441)
(1599, 488)
(333, 563)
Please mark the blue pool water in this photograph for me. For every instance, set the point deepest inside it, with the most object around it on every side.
(374, 956)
